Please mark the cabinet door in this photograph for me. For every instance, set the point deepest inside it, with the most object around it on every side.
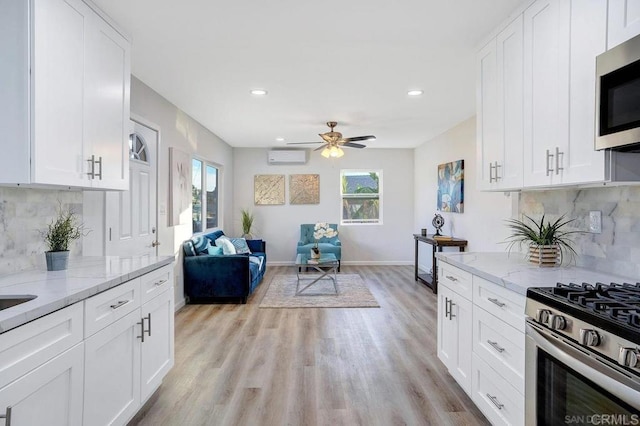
(157, 348)
(447, 337)
(106, 110)
(112, 372)
(488, 143)
(50, 395)
(509, 47)
(455, 336)
(58, 155)
(588, 20)
(624, 21)
(545, 93)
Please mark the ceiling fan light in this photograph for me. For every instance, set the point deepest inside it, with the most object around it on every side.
(339, 152)
(326, 153)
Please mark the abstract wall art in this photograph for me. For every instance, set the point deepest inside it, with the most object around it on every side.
(304, 189)
(268, 189)
(451, 187)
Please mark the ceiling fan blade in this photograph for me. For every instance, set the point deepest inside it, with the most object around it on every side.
(361, 138)
(301, 143)
(320, 147)
(354, 145)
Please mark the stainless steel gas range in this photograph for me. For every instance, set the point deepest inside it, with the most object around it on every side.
(583, 355)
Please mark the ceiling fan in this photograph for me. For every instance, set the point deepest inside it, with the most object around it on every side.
(333, 141)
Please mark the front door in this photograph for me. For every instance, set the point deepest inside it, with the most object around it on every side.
(132, 215)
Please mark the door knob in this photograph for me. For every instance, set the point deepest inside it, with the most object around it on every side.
(155, 244)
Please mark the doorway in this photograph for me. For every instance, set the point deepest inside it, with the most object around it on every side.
(132, 216)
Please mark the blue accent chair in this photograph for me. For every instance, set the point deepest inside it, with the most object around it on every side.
(210, 277)
(326, 245)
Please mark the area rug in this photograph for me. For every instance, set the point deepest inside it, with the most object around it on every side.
(352, 293)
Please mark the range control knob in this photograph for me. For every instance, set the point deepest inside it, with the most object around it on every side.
(542, 315)
(629, 357)
(557, 322)
(589, 337)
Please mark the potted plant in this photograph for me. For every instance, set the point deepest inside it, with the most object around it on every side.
(548, 244)
(247, 223)
(61, 231)
(321, 230)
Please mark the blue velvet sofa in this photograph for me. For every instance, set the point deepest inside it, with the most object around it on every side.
(326, 245)
(211, 277)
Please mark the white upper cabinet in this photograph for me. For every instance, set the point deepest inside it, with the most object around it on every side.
(624, 21)
(64, 76)
(536, 97)
(545, 93)
(499, 106)
(588, 26)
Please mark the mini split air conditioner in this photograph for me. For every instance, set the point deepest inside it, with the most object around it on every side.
(277, 156)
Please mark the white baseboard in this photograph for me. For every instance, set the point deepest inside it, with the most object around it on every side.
(179, 304)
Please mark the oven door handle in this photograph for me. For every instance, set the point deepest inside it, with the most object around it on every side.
(619, 385)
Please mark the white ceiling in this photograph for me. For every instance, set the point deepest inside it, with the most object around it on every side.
(351, 61)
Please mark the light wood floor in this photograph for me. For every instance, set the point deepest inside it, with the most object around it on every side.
(242, 365)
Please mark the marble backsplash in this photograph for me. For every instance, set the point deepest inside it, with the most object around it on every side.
(617, 248)
(24, 213)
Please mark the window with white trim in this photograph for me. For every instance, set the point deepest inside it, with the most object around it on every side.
(204, 203)
(361, 196)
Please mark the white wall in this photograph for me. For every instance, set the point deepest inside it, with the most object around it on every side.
(389, 243)
(482, 223)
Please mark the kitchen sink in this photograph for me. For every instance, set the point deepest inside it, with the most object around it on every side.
(9, 301)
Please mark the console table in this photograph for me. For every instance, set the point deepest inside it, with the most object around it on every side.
(431, 280)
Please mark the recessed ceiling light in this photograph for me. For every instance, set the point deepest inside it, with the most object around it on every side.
(415, 92)
(259, 92)
(280, 139)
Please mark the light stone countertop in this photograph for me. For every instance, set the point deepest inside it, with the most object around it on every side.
(514, 273)
(85, 277)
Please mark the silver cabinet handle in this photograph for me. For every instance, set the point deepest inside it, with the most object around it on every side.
(148, 317)
(141, 336)
(159, 283)
(119, 304)
(7, 416)
(100, 164)
(495, 346)
(451, 305)
(451, 278)
(549, 156)
(496, 302)
(446, 307)
(490, 172)
(558, 154)
(497, 166)
(92, 161)
(495, 401)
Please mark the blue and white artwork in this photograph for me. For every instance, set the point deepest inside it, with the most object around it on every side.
(451, 187)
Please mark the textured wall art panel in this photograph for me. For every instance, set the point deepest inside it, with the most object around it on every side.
(304, 189)
(268, 189)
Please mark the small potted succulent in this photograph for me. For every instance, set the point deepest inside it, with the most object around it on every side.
(60, 233)
(548, 243)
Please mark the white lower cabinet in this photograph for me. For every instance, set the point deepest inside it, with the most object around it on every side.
(50, 395)
(481, 342)
(128, 356)
(500, 402)
(454, 334)
(112, 372)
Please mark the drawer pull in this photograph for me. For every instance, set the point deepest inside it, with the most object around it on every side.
(6, 417)
(452, 278)
(159, 283)
(496, 302)
(119, 304)
(495, 346)
(495, 401)
(141, 336)
(148, 317)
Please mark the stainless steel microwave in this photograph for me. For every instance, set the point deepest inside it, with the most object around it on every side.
(618, 97)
